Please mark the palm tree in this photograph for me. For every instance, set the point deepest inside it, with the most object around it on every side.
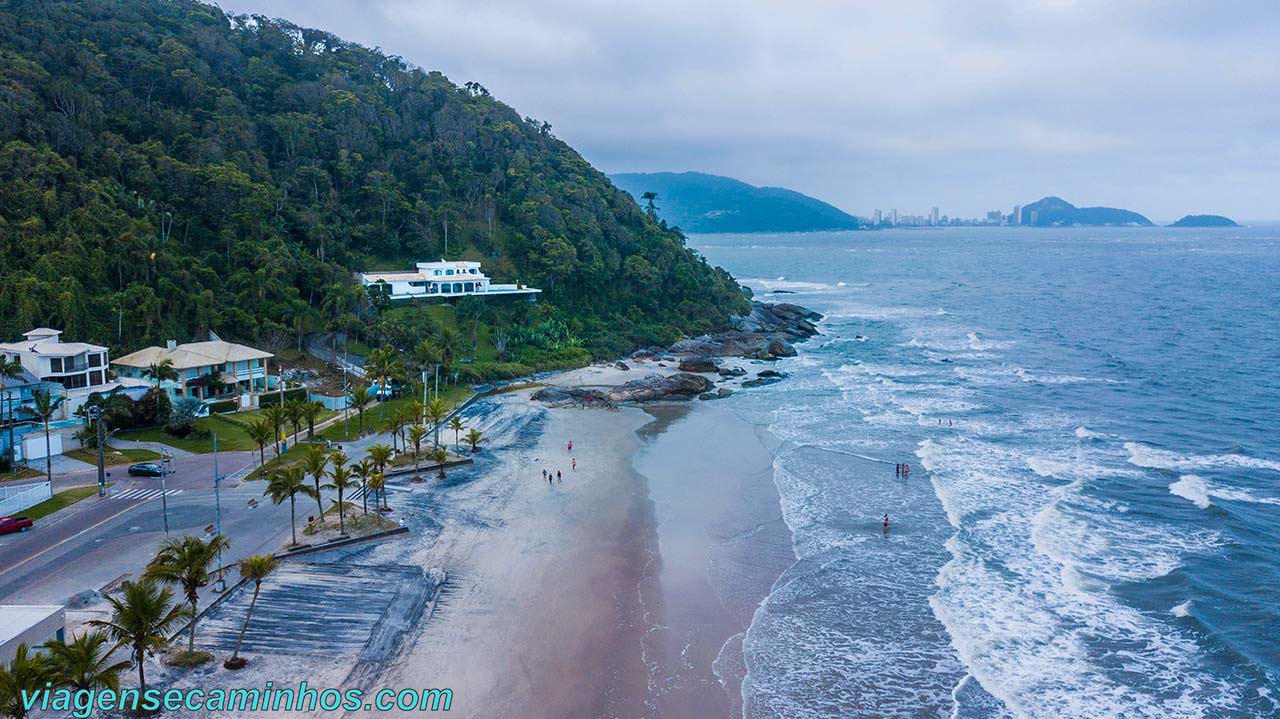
(398, 421)
(384, 364)
(185, 563)
(315, 462)
(416, 433)
(81, 665)
(293, 414)
(262, 434)
(275, 414)
(311, 412)
(10, 368)
(441, 457)
(650, 198)
(425, 355)
(143, 618)
(365, 469)
(455, 424)
(288, 483)
(378, 484)
(381, 455)
(27, 673)
(474, 438)
(213, 384)
(254, 569)
(341, 481)
(447, 343)
(359, 397)
(43, 407)
(436, 412)
(161, 371)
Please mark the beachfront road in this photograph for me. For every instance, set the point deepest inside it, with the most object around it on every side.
(100, 540)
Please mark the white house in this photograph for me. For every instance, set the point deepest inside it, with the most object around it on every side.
(206, 370)
(32, 625)
(78, 368)
(440, 279)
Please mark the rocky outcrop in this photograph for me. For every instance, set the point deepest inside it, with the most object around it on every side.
(698, 363)
(572, 396)
(731, 372)
(765, 333)
(622, 366)
(657, 387)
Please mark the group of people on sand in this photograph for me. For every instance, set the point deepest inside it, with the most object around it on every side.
(901, 470)
(557, 477)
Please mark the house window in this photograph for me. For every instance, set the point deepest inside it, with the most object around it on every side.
(470, 287)
(95, 378)
(457, 288)
(95, 360)
(55, 364)
(436, 273)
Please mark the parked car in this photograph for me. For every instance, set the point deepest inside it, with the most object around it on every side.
(146, 469)
(9, 525)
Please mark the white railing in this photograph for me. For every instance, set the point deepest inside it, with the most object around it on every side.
(16, 499)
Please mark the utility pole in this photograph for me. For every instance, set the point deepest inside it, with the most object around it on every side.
(217, 501)
(164, 488)
(95, 413)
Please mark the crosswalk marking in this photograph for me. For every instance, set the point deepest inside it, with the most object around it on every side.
(144, 493)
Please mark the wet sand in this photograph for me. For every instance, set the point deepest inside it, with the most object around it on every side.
(722, 543)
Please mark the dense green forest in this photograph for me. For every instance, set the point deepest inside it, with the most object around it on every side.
(166, 169)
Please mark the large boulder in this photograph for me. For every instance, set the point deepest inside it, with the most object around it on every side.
(658, 387)
(698, 363)
(571, 396)
(778, 348)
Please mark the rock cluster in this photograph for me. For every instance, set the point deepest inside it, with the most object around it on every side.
(765, 333)
(658, 387)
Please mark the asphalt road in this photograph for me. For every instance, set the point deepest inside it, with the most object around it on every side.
(103, 539)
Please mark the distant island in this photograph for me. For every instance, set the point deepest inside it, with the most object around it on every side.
(699, 202)
(1057, 212)
(1205, 221)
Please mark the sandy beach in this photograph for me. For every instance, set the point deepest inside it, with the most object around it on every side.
(621, 590)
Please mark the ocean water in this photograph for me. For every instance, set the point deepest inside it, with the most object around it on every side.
(1091, 524)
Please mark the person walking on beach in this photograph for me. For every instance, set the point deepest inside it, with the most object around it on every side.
(574, 464)
(544, 473)
(570, 445)
(886, 524)
(559, 479)
(897, 469)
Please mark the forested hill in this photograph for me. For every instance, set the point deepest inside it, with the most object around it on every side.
(202, 171)
(698, 202)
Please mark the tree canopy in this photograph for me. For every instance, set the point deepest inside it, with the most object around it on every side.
(167, 169)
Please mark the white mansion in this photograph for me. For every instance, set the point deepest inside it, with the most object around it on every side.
(439, 279)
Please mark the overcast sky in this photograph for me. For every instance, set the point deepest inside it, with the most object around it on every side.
(1165, 107)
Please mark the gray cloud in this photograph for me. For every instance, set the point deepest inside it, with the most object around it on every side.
(1164, 108)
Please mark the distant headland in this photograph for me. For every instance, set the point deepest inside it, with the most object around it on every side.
(702, 203)
(1205, 221)
(1057, 212)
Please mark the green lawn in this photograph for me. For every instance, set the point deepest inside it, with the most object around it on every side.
(377, 417)
(113, 457)
(232, 431)
(62, 499)
(20, 472)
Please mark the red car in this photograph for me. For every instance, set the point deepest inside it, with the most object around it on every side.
(14, 524)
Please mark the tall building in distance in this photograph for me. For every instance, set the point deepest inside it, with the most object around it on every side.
(877, 220)
(933, 217)
(1016, 217)
(893, 217)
